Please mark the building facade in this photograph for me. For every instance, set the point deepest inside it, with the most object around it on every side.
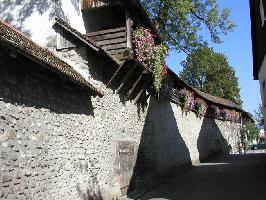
(258, 29)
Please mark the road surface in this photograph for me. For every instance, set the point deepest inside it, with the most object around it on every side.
(240, 177)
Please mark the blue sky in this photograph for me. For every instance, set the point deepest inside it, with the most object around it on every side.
(237, 47)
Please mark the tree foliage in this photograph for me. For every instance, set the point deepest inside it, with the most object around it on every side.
(181, 22)
(258, 115)
(210, 72)
(252, 131)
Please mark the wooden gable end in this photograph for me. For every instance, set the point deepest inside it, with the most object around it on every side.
(87, 4)
(113, 41)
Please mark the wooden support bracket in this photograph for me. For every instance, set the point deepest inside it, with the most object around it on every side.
(114, 76)
(135, 85)
(137, 82)
(142, 91)
(130, 71)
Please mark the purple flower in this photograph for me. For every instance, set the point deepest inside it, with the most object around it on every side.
(182, 94)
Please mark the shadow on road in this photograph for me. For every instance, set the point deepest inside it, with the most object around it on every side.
(238, 177)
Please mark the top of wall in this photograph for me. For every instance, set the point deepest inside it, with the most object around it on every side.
(17, 42)
(210, 98)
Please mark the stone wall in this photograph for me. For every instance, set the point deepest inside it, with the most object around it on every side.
(173, 140)
(58, 142)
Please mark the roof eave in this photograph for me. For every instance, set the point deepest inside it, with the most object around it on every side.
(18, 42)
(253, 38)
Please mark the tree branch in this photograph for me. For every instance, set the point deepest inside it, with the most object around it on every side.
(197, 16)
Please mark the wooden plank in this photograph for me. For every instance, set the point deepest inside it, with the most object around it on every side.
(115, 51)
(128, 29)
(113, 77)
(120, 56)
(111, 41)
(122, 60)
(62, 40)
(87, 4)
(108, 36)
(135, 85)
(115, 46)
(104, 32)
(142, 91)
(139, 95)
(130, 71)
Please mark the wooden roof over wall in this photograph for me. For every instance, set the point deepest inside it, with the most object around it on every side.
(18, 42)
(208, 97)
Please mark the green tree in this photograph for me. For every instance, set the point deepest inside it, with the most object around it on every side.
(258, 116)
(252, 131)
(181, 22)
(210, 72)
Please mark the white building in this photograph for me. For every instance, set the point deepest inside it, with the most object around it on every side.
(258, 29)
(36, 17)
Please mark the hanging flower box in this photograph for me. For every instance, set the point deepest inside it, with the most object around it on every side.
(146, 51)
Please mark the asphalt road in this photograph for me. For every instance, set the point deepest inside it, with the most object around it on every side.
(240, 177)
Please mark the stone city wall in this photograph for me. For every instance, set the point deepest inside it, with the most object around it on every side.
(58, 142)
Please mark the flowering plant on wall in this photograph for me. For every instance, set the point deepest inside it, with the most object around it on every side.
(231, 115)
(157, 64)
(182, 95)
(223, 114)
(164, 70)
(217, 111)
(167, 87)
(200, 107)
(186, 99)
(143, 44)
(151, 54)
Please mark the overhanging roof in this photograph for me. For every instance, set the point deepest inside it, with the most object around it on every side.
(258, 34)
(20, 43)
(206, 96)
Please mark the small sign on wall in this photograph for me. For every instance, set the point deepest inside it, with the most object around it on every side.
(125, 153)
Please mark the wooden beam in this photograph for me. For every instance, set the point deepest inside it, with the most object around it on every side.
(113, 77)
(130, 71)
(136, 83)
(142, 91)
(139, 95)
(104, 32)
(111, 41)
(63, 40)
(114, 46)
(134, 86)
(129, 29)
(107, 36)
